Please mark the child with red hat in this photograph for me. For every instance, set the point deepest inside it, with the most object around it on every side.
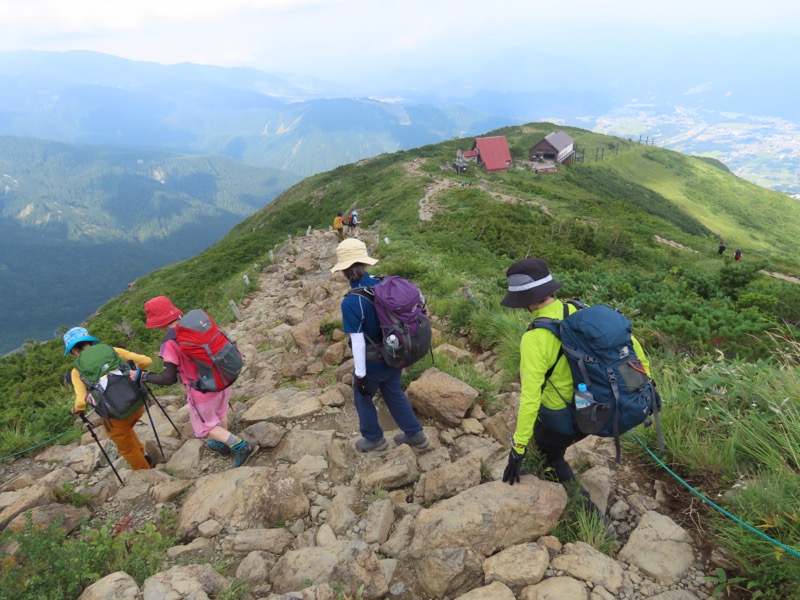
(208, 411)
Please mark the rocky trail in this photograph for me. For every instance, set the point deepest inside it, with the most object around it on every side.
(311, 518)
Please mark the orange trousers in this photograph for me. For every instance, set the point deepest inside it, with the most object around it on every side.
(122, 434)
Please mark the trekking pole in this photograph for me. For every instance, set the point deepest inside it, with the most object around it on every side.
(99, 445)
(153, 396)
(153, 425)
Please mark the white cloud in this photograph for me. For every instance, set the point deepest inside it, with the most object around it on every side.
(697, 89)
(324, 37)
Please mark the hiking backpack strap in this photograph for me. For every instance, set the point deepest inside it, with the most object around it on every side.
(612, 379)
(656, 408)
(173, 335)
(552, 326)
(368, 294)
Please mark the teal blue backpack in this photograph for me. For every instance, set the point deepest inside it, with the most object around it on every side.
(596, 341)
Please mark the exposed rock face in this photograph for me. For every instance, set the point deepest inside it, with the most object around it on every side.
(350, 563)
(660, 548)
(452, 538)
(245, 498)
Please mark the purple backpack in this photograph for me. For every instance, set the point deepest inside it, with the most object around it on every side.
(404, 323)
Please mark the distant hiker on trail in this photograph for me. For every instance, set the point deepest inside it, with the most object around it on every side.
(352, 223)
(208, 411)
(737, 255)
(547, 381)
(360, 320)
(121, 432)
(721, 248)
(338, 225)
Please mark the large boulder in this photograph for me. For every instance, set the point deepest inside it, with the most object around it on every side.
(502, 424)
(448, 480)
(301, 442)
(660, 547)
(351, 564)
(493, 591)
(71, 516)
(283, 404)
(306, 334)
(274, 540)
(581, 561)
(185, 463)
(185, 581)
(244, 498)
(517, 566)
(388, 470)
(26, 499)
(452, 538)
(116, 586)
(441, 396)
(556, 588)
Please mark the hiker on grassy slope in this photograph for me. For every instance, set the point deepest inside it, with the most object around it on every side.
(121, 432)
(543, 400)
(208, 411)
(371, 372)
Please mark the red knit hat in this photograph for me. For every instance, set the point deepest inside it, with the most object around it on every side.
(160, 311)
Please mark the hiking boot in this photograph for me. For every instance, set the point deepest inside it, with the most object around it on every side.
(242, 453)
(418, 440)
(365, 445)
(150, 460)
(218, 447)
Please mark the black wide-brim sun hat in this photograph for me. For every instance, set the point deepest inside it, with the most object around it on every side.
(529, 281)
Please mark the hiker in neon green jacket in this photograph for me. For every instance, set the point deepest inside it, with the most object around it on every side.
(538, 350)
(532, 287)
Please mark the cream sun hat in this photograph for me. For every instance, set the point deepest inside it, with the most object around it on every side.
(349, 252)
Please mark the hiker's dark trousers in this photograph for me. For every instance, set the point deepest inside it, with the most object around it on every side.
(553, 445)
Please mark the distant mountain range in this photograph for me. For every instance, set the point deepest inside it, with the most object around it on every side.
(78, 222)
(729, 109)
(264, 119)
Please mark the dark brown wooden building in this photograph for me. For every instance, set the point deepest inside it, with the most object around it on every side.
(557, 146)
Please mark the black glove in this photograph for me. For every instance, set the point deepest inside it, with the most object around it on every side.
(361, 385)
(514, 467)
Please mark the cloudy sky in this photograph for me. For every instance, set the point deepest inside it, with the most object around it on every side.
(356, 40)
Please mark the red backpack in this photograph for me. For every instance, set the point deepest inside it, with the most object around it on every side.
(217, 357)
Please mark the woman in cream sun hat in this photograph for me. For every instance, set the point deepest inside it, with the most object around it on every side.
(349, 252)
(360, 321)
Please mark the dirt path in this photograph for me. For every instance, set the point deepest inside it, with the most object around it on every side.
(428, 206)
(782, 276)
(673, 244)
